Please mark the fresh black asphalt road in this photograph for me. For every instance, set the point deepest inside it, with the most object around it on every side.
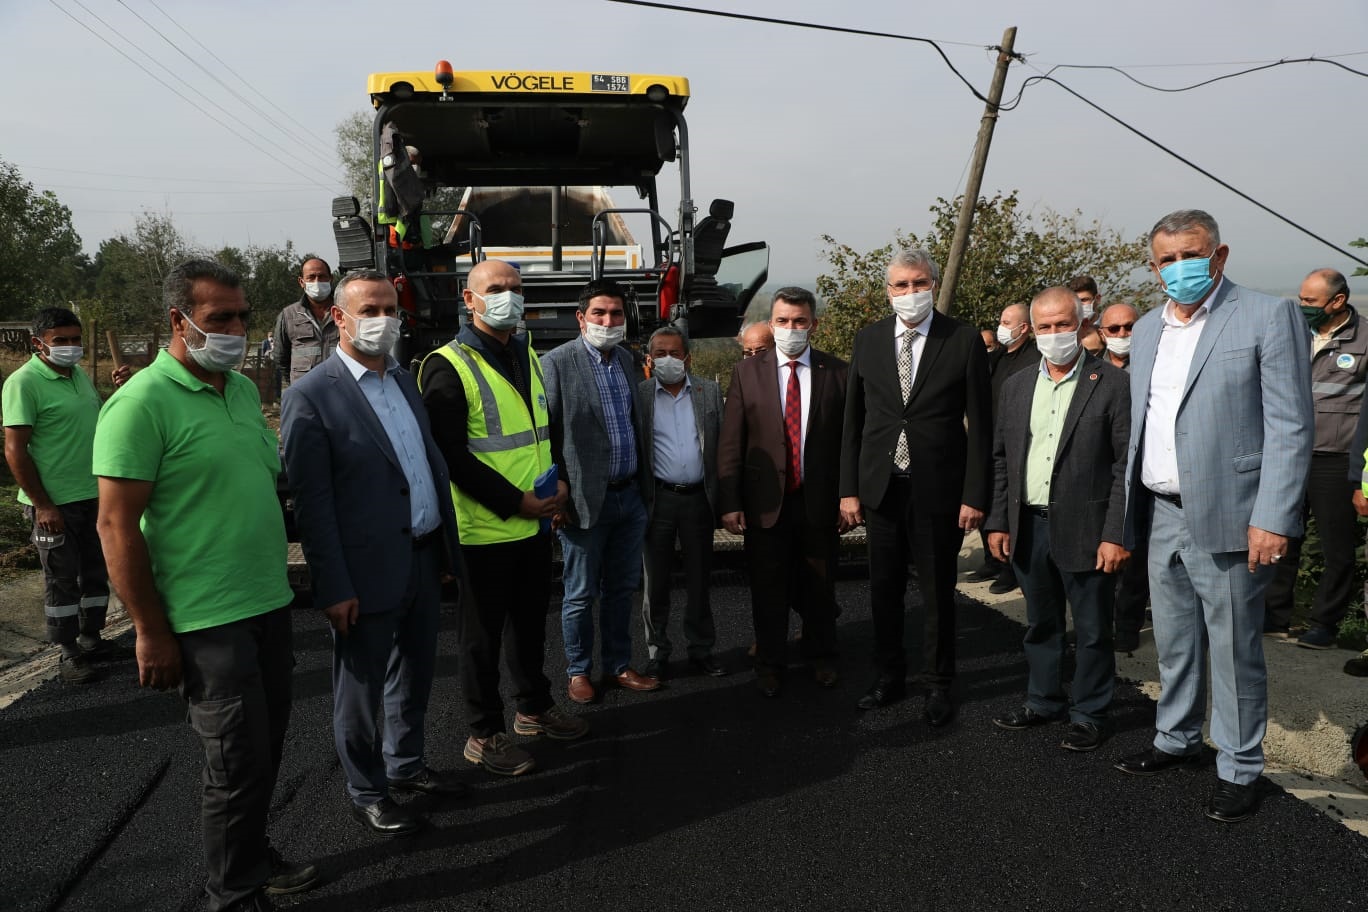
(702, 796)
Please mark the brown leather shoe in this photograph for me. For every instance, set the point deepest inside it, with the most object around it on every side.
(633, 681)
(580, 689)
(825, 673)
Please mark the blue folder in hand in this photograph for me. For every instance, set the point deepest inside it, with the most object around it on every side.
(545, 486)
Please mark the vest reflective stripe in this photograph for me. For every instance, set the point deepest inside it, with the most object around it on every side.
(502, 435)
(1337, 389)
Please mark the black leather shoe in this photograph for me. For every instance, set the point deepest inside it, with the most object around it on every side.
(385, 818)
(1231, 803)
(431, 782)
(768, 682)
(1153, 761)
(939, 708)
(1083, 737)
(985, 573)
(1001, 586)
(1024, 717)
(657, 668)
(709, 666)
(886, 689)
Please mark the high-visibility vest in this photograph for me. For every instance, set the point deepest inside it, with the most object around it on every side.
(503, 435)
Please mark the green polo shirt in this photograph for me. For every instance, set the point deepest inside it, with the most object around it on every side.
(62, 412)
(1049, 405)
(213, 524)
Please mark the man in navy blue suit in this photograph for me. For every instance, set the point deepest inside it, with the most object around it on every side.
(379, 533)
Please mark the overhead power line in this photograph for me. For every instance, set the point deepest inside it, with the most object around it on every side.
(156, 177)
(163, 190)
(1206, 82)
(305, 144)
(181, 95)
(83, 210)
(794, 23)
(1045, 77)
(240, 78)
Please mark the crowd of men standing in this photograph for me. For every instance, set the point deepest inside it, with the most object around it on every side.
(1174, 468)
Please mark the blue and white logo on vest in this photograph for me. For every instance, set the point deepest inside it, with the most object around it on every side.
(541, 397)
(1345, 362)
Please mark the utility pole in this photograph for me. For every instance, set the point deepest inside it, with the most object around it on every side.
(950, 278)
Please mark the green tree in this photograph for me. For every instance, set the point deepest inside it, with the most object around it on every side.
(354, 150)
(1361, 242)
(1012, 254)
(41, 263)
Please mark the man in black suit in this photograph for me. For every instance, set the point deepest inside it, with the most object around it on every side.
(1059, 498)
(778, 461)
(915, 467)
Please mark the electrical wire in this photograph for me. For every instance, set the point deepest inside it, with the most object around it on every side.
(1206, 82)
(822, 28)
(240, 78)
(181, 95)
(80, 209)
(1045, 77)
(304, 144)
(155, 177)
(160, 190)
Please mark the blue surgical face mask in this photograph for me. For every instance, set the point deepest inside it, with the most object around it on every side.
(1187, 281)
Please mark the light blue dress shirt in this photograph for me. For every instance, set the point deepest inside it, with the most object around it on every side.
(396, 417)
(676, 453)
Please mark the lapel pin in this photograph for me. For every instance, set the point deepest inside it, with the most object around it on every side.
(1092, 376)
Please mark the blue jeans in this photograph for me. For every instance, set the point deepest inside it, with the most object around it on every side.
(602, 562)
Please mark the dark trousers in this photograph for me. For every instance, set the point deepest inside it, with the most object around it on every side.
(75, 582)
(1329, 494)
(386, 662)
(900, 530)
(1047, 589)
(1132, 592)
(792, 564)
(510, 592)
(236, 680)
(689, 519)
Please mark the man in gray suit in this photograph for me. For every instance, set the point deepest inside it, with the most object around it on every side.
(379, 532)
(1059, 497)
(1222, 430)
(589, 399)
(681, 417)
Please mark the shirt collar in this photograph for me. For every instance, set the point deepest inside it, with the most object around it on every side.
(595, 355)
(45, 369)
(1169, 305)
(167, 364)
(359, 370)
(1045, 369)
(686, 389)
(922, 329)
(804, 359)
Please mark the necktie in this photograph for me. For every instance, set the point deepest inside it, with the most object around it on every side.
(902, 455)
(793, 429)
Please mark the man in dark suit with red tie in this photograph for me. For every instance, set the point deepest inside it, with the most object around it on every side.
(778, 462)
(915, 460)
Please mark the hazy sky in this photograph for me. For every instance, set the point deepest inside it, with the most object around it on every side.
(809, 132)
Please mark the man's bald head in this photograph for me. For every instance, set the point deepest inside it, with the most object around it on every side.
(756, 338)
(1014, 315)
(1117, 314)
(493, 275)
(1052, 299)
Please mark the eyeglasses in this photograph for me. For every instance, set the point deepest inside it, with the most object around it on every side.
(1118, 327)
(752, 352)
(915, 285)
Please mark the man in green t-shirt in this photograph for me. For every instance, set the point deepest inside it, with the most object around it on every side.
(195, 542)
(50, 407)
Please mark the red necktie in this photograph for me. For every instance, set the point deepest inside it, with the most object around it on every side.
(793, 429)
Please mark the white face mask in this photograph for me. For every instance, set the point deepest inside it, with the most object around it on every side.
(1005, 335)
(1119, 346)
(915, 307)
(64, 355)
(791, 342)
(1088, 312)
(318, 291)
(1058, 348)
(668, 369)
(220, 353)
(604, 338)
(503, 309)
(375, 336)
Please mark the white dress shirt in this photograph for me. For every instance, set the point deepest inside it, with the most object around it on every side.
(1172, 363)
(805, 385)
